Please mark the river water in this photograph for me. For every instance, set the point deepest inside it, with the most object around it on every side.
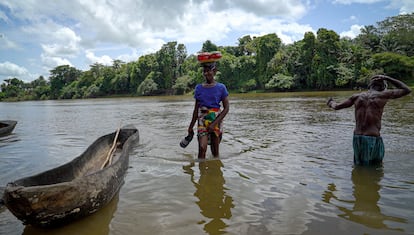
(285, 166)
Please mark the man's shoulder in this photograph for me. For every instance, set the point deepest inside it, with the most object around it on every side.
(359, 95)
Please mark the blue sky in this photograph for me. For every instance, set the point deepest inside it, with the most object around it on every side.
(38, 35)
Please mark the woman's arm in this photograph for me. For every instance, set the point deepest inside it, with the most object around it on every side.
(194, 118)
(223, 113)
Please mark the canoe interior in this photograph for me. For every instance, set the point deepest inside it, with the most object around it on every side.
(89, 162)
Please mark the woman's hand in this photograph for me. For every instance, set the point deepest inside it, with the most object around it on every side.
(210, 127)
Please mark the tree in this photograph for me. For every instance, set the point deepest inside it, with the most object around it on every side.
(398, 34)
(181, 85)
(266, 47)
(148, 86)
(245, 47)
(41, 89)
(304, 63)
(12, 87)
(181, 56)
(208, 46)
(395, 65)
(325, 61)
(60, 77)
(280, 82)
(229, 72)
(142, 68)
(91, 92)
(369, 38)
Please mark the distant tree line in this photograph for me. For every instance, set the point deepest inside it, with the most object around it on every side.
(317, 62)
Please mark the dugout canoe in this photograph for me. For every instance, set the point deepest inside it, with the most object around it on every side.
(7, 126)
(75, 189)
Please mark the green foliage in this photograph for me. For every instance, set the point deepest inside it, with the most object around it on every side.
(69, 92)
(60, 77)
(320, 62)
(280, 82)
(398, 34)
(208, 46)
(148, 86)
(91, 92)
(344, 76)
(265, 47)
(12, 88)
(395, 65)
(182, 85)
(325, 63)
(250, 85)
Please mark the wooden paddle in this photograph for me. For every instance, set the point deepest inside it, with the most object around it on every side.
(108, 159)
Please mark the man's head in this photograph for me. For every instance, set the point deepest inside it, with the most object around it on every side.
(377, 84)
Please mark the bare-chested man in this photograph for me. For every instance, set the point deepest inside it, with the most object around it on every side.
(369, 106)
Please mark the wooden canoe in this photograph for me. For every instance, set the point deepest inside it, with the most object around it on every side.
(7, 126)
(75, 189)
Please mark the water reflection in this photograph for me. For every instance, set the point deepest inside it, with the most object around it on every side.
(214, 202)
(6, 140)
(365, 209)
(95, 224)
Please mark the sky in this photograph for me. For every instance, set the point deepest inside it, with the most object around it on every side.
(36, 36)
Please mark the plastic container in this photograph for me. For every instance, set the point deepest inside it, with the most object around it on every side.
(186, 141)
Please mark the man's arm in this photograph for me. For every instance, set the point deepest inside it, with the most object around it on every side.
(346, 104)
(401, 88)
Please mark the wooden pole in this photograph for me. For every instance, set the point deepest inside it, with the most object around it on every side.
(108, 159)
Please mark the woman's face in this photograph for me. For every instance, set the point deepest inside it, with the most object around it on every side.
(208, 72)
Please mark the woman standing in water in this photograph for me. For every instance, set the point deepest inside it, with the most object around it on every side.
(207, 109)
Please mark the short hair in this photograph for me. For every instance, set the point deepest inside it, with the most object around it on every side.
(382, 85)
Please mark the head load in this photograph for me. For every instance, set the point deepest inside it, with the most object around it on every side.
(207, 58)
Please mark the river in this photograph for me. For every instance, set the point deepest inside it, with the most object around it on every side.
(285, 166)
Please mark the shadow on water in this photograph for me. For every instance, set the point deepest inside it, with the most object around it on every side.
(214, 203)
(95, 224)
(365, 206)
(6, 140)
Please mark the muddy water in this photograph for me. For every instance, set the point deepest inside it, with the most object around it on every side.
(285, 166)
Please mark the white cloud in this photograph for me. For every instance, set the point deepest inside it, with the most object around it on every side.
(50, 62)
(66, 43)
(348, 2)
(134, 55)
(146, 24)
(287, 9)
(6, 44)
(11, 70)
(405, 6)
(73, 32)
(3, 17)
(353, 32)
(92, 59)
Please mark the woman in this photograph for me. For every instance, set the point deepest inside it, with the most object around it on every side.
(208, 97)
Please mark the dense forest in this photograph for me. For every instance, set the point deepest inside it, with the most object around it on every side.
(323, 61)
